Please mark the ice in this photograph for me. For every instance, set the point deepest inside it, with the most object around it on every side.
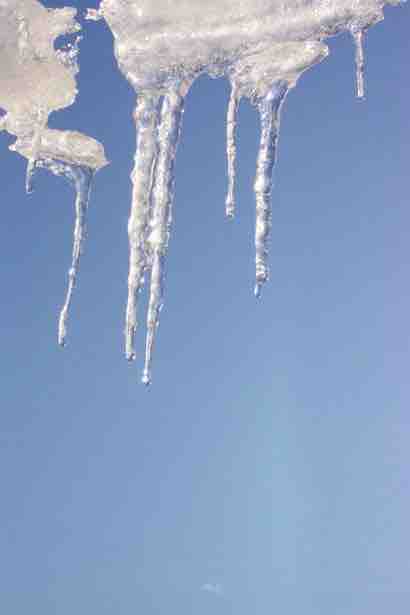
(269, 110)
(146, 119)
(161, 218)
(35, 80)
(80, 177)
(231, 123)
(162, 46)
(358, 36)
(262, 47)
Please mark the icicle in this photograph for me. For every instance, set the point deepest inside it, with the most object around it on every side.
(269, 109)
(80, 177)
(231, 124)
(146, 119)
(358, 35)
(161, 218)
(31, 164)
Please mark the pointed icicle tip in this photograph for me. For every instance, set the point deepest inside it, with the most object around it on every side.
(257, 291)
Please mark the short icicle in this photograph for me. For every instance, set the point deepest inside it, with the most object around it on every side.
(269, 109)
(161, 216)
(231, 124)
(80, 177)
(142, 176)
(358, 36)
(31, 164)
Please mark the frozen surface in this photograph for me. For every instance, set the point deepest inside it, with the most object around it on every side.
(262, 47)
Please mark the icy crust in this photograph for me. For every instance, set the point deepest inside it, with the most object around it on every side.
(268, 40)
(36, 79)
(66, 146)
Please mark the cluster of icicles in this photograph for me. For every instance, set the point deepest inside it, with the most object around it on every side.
(158, 117)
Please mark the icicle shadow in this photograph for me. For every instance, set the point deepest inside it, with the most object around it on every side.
(146, 119)
(269, 110)
(80, 177)
(161, 213)
(231, 125)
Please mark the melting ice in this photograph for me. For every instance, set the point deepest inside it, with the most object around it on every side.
(162, 46)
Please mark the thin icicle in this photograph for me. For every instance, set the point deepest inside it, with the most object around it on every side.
(161, 218)
(80, 177)
(231, 124)
(269, 109)
(146, 119)
(31, 164)
(358, 36)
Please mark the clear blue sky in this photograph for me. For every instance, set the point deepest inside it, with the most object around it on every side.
(271, 455)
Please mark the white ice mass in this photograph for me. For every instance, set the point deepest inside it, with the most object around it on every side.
(162, 46)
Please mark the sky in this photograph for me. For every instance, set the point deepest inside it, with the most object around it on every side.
(266, 470)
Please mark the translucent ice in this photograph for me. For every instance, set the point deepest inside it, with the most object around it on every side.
(162, 46)
(262, 46)
(36, 79)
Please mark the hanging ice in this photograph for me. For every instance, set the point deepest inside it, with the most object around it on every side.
(231, 122)
(262, 46)
(162, 46)
(36, 79)
(269, 109)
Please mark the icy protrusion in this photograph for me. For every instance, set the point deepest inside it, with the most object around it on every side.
(358, 36)
(80, 178)
(31, 164)
(231, 124)
(146, 119)
(269, 109)
(161, 218)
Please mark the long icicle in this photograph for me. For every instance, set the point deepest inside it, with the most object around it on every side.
(269, 109)
(80, 177)
(146, 119)
(160, 223)
(231, 124)
(358, 37)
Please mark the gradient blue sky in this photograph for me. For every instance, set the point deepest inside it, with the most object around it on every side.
(271, 457)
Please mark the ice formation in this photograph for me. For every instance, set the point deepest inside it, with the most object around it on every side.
(36, 79)
(162, 46)
(262, 46)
